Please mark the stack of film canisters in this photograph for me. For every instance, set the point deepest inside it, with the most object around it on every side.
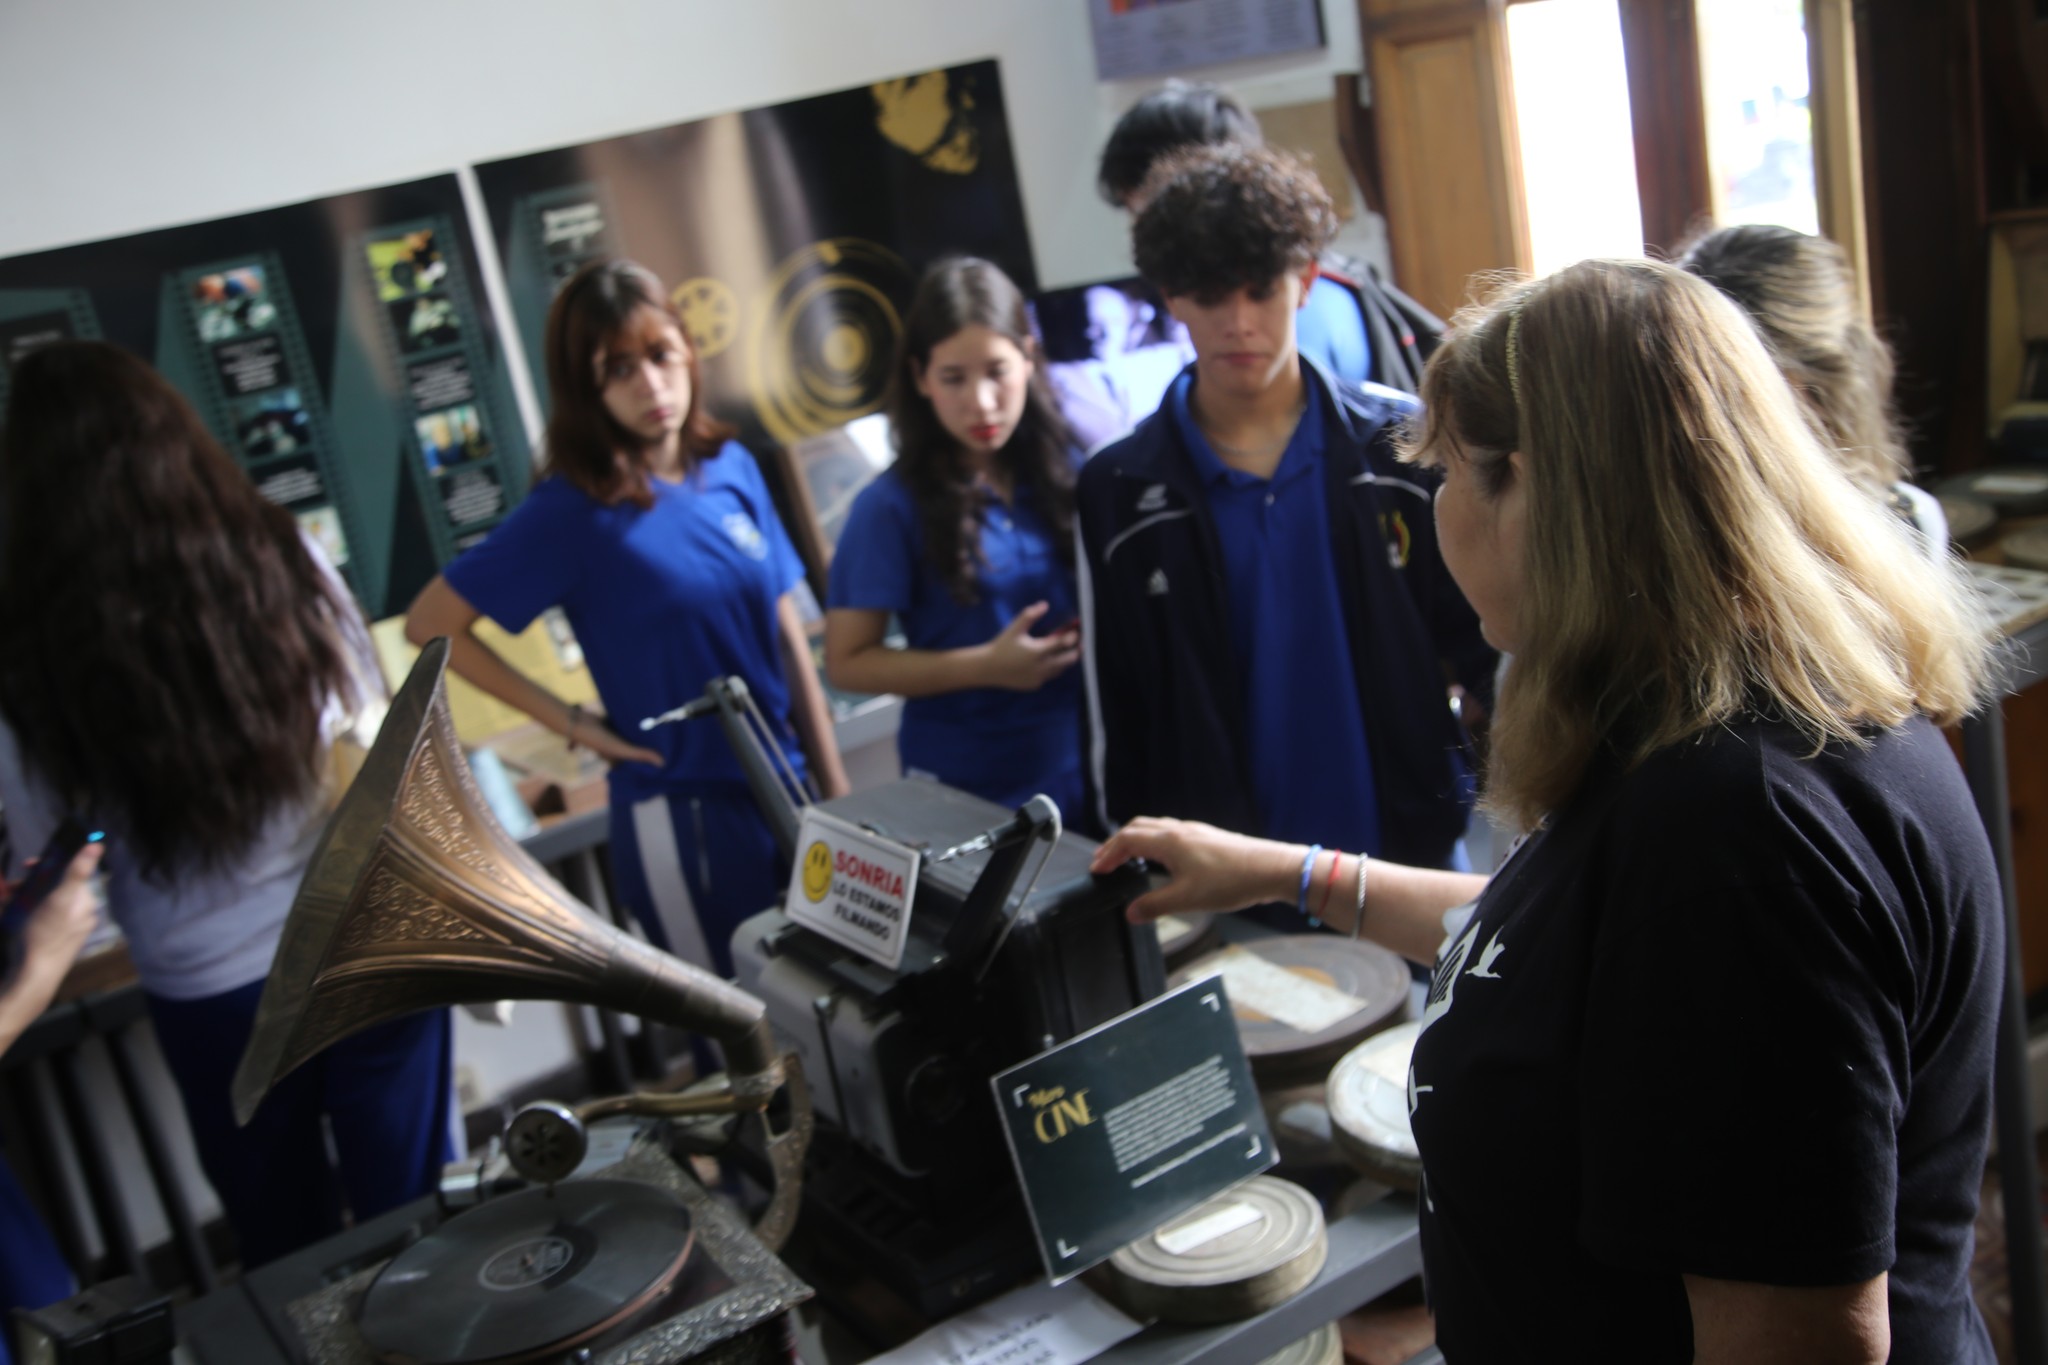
(1368, 1099)
(1282, 1056)
(1234, 1257)
(1324, 1346)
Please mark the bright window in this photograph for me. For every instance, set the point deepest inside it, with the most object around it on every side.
(1754, 78)
(1578, 150)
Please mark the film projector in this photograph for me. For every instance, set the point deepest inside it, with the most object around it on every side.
(1013, 946)
(417, 899)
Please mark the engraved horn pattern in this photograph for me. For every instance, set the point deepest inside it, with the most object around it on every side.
(417, 898)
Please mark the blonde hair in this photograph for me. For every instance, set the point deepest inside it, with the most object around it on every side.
(1691, 552)
(1800, 292)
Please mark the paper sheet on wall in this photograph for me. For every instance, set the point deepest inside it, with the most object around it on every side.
(1035, 1325)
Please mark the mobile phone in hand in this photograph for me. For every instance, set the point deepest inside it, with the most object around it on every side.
(70, 836)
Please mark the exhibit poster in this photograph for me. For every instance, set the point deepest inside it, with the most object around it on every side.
(30, 317)
(791, 237)
(1147, 37)
(339, 349)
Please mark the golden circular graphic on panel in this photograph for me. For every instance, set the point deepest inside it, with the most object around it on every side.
(823, 336)
(845, 349)
(711, 314)
(817, 870)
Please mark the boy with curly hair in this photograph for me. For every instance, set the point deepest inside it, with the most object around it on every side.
(1270, 633)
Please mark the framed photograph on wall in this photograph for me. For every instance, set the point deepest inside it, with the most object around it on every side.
(1150, 37)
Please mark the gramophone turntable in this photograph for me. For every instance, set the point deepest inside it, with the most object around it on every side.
(633, 1265)
(417, 898)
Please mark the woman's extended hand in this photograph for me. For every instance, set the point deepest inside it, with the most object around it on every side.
(58, 928)
(1212, 869)
(1023, 662)
(603, 741)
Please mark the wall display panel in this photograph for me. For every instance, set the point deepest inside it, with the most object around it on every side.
(1148, 37)
(340, 349)
(792, 236)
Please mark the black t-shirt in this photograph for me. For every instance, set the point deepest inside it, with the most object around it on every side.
(1731, 1014)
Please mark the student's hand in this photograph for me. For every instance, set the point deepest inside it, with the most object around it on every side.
(1211, 868)
(1023, 662)
(58, 928)
(602, 740)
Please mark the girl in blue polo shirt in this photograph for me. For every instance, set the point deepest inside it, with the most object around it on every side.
(967, 541)
(654, 532)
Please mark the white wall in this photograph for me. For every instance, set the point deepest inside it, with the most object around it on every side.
(126, 115)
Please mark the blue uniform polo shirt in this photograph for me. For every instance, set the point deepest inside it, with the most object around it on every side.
(1001, 745)
(1311, 769)
(662, 600)
(1330, 330)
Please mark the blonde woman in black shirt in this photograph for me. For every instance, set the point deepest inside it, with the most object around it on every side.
(1707, 1074)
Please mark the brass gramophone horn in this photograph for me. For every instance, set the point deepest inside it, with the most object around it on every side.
(416, 898)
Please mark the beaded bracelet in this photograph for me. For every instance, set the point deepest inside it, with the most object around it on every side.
(575, 719)
(1308, 868)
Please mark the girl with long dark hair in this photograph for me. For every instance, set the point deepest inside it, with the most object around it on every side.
(654, 532)
(968, 541)
(180, 664)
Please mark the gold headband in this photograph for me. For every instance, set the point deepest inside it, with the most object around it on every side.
(1515, 356)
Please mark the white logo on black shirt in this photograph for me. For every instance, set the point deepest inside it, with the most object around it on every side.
(1494, 948)
(746, 535)
(1156, 584)
(1444, 983)
(1153, 499)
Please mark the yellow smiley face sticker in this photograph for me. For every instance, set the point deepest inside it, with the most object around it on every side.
(817, 871)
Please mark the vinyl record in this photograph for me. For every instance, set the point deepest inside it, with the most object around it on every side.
(1239, 1254)
(2027, 548)
(528, 1275)
(2013, 490)
(1304, 1000)
(1970, 519)
(1368, 1096)
(1324, 1346)
(1183, 935)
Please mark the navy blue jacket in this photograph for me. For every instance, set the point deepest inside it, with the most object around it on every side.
(1167, 724)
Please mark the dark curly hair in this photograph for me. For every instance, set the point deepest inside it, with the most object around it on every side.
(170, 640)
(1228, 217)
(955, 294)
(1178, 114)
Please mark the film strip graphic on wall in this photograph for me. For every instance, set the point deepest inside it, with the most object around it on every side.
(249, 361)
(429, 323)
(555, 234)
(34, 317)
